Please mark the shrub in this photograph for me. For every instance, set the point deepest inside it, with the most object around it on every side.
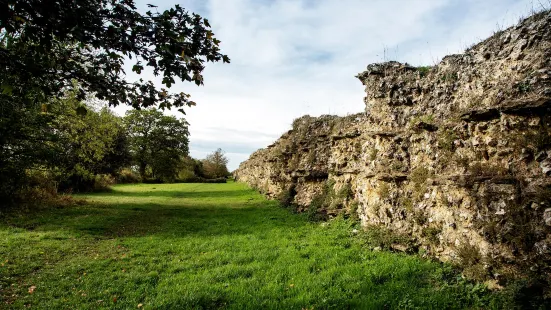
(431, 233)
(470, 260)
(286, 196)
(482, 169)
(345, 192)
(103, 182)
(127, 176)
(423, 70)
(406, 203)
(376, 236)
(446, 139)
(316, 205)
(353, 211)
(419, 175)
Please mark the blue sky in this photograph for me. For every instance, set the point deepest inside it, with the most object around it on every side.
(297, 57)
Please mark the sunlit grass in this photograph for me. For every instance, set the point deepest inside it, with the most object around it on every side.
(174, 246)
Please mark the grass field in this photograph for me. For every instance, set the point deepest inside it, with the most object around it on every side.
(204, 246)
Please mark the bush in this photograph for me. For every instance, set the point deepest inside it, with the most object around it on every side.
(286, 197)
(40, 191)
(103, 182)
(376, 236)
(127, 176)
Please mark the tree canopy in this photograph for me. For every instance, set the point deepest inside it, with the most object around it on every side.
(46, 45)
(157, 142)
(56, 53)
(215, 164)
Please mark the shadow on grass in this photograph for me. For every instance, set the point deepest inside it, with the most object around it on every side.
(142, 219)
(176, 194)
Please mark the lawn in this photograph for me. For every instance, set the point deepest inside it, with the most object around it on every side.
(205, 246)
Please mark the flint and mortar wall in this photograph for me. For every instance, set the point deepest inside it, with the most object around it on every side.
(458, 156)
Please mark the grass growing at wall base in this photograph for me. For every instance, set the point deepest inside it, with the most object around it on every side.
(208, 246)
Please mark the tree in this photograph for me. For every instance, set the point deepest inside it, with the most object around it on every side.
(157, 142)
(46, 45)
(190, 169)
(87, 144)
(215, 165)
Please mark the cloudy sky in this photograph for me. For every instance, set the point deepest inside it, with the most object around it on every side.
(295, 57)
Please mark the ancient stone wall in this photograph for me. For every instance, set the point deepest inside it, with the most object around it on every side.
(457, 156)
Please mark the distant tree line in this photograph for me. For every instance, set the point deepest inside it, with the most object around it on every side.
(78, 145)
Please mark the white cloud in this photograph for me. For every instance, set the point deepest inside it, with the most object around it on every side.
(291, 58)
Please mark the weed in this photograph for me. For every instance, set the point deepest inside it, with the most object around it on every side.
(423, 70)
(385, 238)
(353, 211)
(537, 140)
(420, 218)
(446, 139)
(524, 87)
(397, 166)
(287, 196)
(345, 192)
(373, 154)
(427, 119)
(431, 233)
(419, 175)
(449, 77)
(406, 203)
(479, 169)
(383, 190)
(468, 254)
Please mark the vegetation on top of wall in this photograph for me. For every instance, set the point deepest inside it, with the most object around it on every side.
(423, 70)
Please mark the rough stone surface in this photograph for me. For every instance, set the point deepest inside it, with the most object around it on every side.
(455, 155)
(547, 217)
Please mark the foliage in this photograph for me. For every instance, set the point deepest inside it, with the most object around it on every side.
(73, 146)
(446, 139)
(87, 145)
(202, 180)
(190, 168)
(157, 143)
(471, 261)
(423, 70)
(127, 175)
(287, 196)
(50, 47)
(419, 175)
(431, 233)
(383, 190)
(385, 239)
(524, 87)
(328, 199)
(215, 165)
(373, 154)
(45, 48)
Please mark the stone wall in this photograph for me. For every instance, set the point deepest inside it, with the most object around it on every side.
(457, 156)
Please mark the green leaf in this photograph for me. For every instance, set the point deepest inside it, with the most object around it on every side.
(81, 111)
(6, 89)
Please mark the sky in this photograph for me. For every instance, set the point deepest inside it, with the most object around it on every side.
(290, 58)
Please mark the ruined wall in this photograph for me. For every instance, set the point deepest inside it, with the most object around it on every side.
(457, 156)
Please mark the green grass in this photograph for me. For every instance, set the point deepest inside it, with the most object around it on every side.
(177, 246)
